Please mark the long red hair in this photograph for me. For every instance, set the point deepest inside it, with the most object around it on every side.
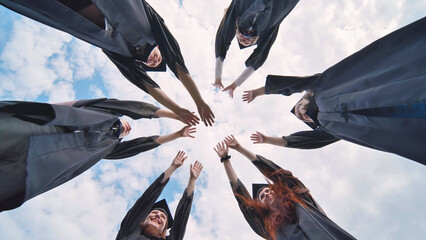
(282, 209)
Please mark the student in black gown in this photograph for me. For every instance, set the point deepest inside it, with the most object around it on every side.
(45, 145)
(146, 220)
(131, 34)
(375, 98)
(282, 209)
(253, 22)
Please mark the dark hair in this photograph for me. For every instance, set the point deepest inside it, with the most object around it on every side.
(282, 210)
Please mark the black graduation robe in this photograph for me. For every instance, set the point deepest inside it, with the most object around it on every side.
(45, 145)
(130, 228)
(375, 96)
(312, 222)
(134, 28)
(277, 10)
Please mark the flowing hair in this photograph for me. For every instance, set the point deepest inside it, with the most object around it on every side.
(282, 209)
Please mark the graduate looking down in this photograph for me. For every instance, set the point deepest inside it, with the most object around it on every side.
(150, 220)
(253, 22)
(376, 98)
(281, 209)
(132, 34)
(45, 145)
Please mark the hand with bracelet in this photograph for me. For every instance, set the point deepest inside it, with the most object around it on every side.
(222, 151)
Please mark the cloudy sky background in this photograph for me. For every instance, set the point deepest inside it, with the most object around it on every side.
(371, 194)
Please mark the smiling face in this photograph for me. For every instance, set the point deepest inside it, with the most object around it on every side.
(155, 224)
(125, 128)
(245, 40)
(266, 196)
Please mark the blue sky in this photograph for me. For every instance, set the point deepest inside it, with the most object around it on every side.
(371, 194)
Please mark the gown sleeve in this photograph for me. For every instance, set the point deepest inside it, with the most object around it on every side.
(317, 138)
(183, 209)
(133, 109)
(287, 85)
(133, 147)
(253, 219)
(226, 31)
(260, 54)
(141, 208)
(132, 70)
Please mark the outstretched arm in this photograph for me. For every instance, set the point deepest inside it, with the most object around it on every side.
(177, 162)
(259, 137)
(183, 114)
(204, 110)
(184, 207)
(240, 191)
(222, 151)
(195, 171)
(164, 113)
(244, 76)
(184, 132)
(250, 95)
(231, 142)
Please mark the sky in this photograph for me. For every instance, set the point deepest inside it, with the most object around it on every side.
(371, 194)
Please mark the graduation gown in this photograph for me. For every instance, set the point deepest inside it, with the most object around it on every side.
(312, 222)
(274, 13)
(376, 96)
(45, 145)
(134, 28)
(130, 228)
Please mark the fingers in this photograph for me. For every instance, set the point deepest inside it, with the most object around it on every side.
(217, 85)
(209, 120)
(190, 130)
(255, 138)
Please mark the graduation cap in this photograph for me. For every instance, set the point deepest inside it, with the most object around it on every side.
(254, 20)
(311, 111)
(162, 206)
(257, 188)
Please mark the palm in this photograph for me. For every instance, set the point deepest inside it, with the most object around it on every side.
(187, 131)
(179, 159)
(187, 117)
(248, 96)
(258, 137)
(206, 114)
(230, 89)
(218, 83)
(221, 149)
(231, 142)
(195, 169)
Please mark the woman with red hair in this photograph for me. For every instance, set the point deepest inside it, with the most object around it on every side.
(282, 209)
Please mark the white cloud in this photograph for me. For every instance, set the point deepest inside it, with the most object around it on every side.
(371, 194)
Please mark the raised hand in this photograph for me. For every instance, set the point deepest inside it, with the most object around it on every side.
(231, 142)
(249, 96)
(206, 114)
(187, 117)
(218, 83)
(179, 159)
(258, 137)
(230, 89)
(221, 149)
(187, 131)
(195, 170)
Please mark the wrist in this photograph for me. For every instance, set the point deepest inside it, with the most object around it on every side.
(173, 167)
(238, 147)
(225, 158)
